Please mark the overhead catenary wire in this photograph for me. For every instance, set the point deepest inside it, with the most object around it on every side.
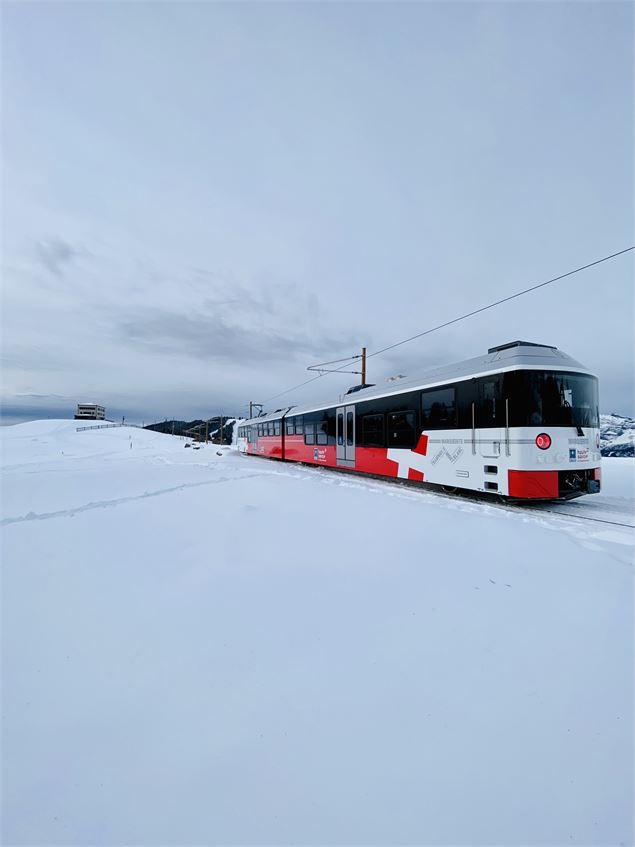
(499, 302)
(463, 317)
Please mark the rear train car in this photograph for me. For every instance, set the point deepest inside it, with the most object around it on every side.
(521, 422)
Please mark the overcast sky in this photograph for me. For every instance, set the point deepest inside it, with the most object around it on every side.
(201, 199)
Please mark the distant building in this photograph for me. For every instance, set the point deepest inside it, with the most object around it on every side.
(89, 412)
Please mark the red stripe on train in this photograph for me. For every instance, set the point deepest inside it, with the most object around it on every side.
(532, 483)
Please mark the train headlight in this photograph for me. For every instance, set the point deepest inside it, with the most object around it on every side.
(543, 441)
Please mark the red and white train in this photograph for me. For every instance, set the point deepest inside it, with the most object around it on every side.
(521, 422)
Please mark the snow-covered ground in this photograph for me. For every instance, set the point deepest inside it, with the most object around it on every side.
(220, 649)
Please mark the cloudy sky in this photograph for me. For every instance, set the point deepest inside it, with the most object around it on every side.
(201, 199)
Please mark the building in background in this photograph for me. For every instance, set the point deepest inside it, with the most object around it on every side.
(90, 412)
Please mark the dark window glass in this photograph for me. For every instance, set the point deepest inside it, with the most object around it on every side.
(321, 433)
(340, 428)
(402, 430)
(329, 423)
(438, 408)
(466, 394)
(309, 433)
(350, 429)
(490, 411)
(299, 425)
(373, 431)
(289, 426)
(276, 427)
(557, 399)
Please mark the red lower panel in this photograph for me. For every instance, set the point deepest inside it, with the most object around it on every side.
(533, 483)
(295, 450)
(374, 460)
(597, 473)
(415, 475)
(269, 446)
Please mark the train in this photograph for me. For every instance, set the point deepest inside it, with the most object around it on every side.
(520, 423)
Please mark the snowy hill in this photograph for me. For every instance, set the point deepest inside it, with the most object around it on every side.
(617, 435)
(202, 647)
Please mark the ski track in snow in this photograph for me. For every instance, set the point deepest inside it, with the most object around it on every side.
(617, 508)
(119, 501)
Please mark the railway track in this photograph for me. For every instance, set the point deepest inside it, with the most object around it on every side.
(614, 514)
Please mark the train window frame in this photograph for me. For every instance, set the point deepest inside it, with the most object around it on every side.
(350, 429)
(340, 429)
(367, 441)
(299, 425)
(405, 443)
(290, 426)
(276, 428)
(440, 391)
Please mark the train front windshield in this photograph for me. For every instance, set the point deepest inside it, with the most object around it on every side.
(552, 398)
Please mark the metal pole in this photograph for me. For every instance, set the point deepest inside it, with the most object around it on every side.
(206, 430)
(221, 428)
(250, 410)
(363, 366)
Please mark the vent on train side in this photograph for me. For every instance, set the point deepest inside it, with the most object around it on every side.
(520, 344)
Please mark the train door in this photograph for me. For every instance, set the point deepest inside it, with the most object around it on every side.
(490, 415)
(345, 436)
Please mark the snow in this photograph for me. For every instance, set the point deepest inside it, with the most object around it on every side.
(617, 435)
(220, 649)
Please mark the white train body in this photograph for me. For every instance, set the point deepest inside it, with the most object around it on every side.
(521, 422)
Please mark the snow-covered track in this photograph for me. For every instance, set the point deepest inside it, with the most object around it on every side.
(602, 512)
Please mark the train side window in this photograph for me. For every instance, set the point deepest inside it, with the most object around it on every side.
(402, 429)
(309, 433)
(340, 428)
(438, 408)
(490, 407)
(299, 425)
(276, 427)
(350, 429)
(321, 433)
(373, 431)
(290, 426)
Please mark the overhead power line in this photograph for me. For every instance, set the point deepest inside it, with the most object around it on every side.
(498, 302)
(463, 317)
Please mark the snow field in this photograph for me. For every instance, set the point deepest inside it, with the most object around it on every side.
(226, 650)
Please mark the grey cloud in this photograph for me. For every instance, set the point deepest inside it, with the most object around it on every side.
(55, 254)
(212, 336)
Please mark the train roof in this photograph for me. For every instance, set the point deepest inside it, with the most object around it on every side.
(512, 356)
